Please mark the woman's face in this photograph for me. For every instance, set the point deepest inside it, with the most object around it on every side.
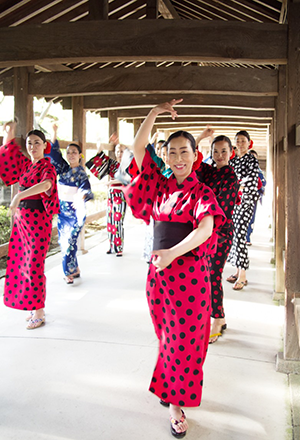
(221, 153)
(181, 157)
(119, 150)
(73, 156)
(158, 149)
(242, 144)
(35, 147)
(164, 154)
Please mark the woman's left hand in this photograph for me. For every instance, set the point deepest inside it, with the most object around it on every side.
(162, 258)
(14, 204)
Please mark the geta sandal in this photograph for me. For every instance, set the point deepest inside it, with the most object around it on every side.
(239, 285)
(224, 327)
(232, 279)
(174, 422)
(29, 316)
(35, 323)
(69, 279)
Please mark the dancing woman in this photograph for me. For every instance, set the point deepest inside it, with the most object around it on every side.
(246, 168)
(186, 216)
(221, 178)
(33, 208)
(74, 190)
(101, 166)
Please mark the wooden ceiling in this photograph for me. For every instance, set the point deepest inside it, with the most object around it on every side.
(217, 91)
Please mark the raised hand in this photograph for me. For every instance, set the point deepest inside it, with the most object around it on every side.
(167, 107)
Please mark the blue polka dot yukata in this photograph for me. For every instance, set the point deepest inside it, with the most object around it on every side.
(178, 296)
(25, 282)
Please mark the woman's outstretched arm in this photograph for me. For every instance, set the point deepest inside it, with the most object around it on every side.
(142, 136)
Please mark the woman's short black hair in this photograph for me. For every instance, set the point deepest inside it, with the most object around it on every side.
(72, 144)
(185, 134)
(221, 138)
(243, 133)
(38, 133)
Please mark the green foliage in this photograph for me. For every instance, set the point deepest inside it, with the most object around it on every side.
(4, 225)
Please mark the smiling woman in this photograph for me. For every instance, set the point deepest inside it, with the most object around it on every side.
(178, 288)
(33, 208)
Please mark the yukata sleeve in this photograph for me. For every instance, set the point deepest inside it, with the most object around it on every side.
(50, 197)
(85, 186)
(101, 165)
(159, 162)
(207, 205)
(60, 164)
(12, 162)
(143, 191)
(250, 182)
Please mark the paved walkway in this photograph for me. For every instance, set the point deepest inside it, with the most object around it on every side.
(85, 374)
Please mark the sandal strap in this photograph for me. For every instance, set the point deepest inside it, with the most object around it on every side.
(176, 422)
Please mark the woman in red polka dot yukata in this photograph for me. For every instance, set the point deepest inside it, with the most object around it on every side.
(221, 178)
(187, 218)
(33, 208)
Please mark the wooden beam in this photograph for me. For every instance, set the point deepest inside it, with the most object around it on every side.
(136, 40)
(173, 80)
(113, 102)
(198, 112)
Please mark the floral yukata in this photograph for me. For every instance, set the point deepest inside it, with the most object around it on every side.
(74, 190)
(25, 282)
(101, 166)
(178, 296)
(246, 168)
(224, 184)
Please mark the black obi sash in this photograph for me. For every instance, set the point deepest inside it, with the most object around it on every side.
(31, 203)
(168, 234)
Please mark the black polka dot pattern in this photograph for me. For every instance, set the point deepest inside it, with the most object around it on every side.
(31, 232)
(179, 295)
(224, 184)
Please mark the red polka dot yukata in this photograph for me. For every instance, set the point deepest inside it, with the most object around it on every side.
(224, 183)
(178, 296)
(25, 283)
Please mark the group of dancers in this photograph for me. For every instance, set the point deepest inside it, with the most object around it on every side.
(200, 221)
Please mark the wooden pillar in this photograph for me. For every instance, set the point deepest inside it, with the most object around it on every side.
(292, 255)
(23, 110)
(270, 170)
(23, 102)
(136, 125)
(79, 137)
(279, 193)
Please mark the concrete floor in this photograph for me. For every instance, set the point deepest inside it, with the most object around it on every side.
(85, 374)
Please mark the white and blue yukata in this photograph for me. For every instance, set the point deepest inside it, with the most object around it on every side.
(74, 190)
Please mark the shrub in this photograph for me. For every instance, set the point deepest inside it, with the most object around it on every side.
(4, 225)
